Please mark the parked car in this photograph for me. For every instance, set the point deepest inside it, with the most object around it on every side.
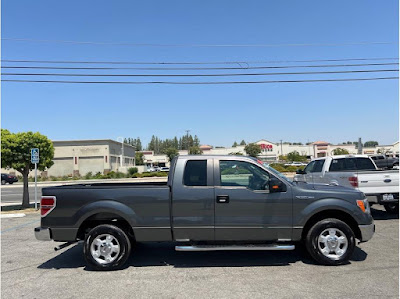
(296, 164)
(355, 171)
(153, 169)
(382, 161)
(8, 178)
(209, 203)
(164, 169)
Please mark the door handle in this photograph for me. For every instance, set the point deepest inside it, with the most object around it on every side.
(222, 198)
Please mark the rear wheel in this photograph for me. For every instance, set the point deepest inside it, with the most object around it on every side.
(3, 182)
(107, 247)
(11, 183)
(330, 242)
(392, 208)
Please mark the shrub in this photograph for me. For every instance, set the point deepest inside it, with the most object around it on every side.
(89, 175)
(132, 170)
(278, 167)
(291, 168)
(98, 175)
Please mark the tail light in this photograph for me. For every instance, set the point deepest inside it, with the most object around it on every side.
(353, 181)
(47, 204)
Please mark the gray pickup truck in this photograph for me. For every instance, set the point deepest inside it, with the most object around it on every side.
(384, 162)
(209, 203)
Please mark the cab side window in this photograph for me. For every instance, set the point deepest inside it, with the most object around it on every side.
(243, 174)
(195, 173)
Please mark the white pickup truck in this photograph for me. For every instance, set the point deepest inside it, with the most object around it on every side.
(356, 171)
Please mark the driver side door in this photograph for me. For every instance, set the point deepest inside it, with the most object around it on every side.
(245, 209)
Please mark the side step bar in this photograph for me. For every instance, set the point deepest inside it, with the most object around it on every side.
(234, 247)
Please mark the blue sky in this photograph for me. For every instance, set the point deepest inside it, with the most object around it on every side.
(218, 114)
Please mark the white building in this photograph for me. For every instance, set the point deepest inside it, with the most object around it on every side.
(271, 151)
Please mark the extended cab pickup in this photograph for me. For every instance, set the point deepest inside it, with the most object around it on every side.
(355, 171)
(209, 203)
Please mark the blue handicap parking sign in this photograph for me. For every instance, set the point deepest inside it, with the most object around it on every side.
(34, 155)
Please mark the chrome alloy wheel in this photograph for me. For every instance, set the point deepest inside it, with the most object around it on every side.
(332, 243)
(105, 248)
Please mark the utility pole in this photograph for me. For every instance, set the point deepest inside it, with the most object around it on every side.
(281, 148)
(187, 140)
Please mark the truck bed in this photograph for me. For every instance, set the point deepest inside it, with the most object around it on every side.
(145, 205)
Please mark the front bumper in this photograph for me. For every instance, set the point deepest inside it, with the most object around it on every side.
(42, 234)
(367, 231)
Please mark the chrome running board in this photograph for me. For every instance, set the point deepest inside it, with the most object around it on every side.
(234, 247)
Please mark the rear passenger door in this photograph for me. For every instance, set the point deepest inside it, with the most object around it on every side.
(193, 200)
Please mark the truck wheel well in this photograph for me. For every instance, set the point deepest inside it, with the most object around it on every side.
(105, 218)
(343, 216)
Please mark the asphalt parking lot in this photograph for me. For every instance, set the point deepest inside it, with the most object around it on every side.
(32, 269)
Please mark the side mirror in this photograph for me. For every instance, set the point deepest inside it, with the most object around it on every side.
(300, 171)
(276, 185)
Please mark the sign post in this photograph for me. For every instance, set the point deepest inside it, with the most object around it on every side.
(35, 160)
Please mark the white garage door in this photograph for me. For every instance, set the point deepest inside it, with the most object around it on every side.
(93, 164)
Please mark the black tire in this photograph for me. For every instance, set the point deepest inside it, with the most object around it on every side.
(392, 208)
(3, 182)
(122, 241)
(11, 183)
(313, 246)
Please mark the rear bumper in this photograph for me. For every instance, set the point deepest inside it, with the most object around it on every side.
(367, 231)
(378, 198)
(42, 234)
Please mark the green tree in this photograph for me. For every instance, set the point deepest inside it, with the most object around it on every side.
(139, 159)
(252, 149)
(295, 156)
(242, 142)
(371, 143)
(195, 150)
(16, 153)
(234, 144)
(340, 151)
(171, 153)
(196, 141)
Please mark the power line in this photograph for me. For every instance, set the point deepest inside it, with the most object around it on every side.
(201, 83)
(190, 63)
(195, 45)
(197, 68)
(197, 75)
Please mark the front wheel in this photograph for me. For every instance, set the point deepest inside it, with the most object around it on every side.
(392, 208)
(107, 247)
(3, 182)
(330, 242)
